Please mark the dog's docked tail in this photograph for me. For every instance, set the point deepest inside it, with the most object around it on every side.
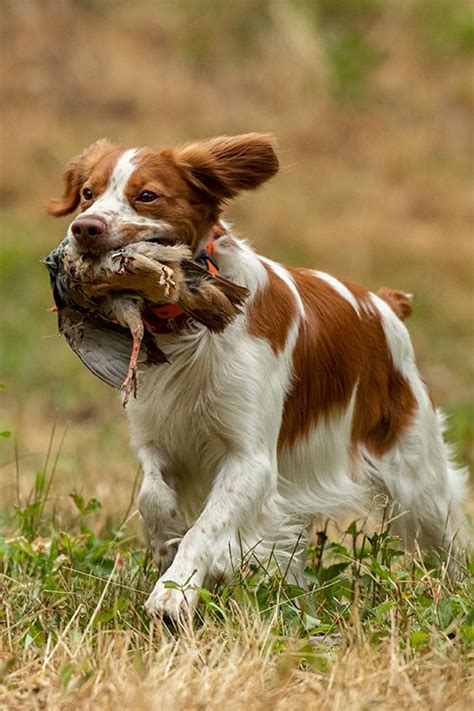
(400, 302)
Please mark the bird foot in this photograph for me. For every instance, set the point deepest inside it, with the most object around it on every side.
(166, 279)
(129, 386)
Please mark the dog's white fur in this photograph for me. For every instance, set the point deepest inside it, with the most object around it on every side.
(206, 429)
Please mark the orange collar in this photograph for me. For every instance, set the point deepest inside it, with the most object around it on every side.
(170, 318)
(206, 257)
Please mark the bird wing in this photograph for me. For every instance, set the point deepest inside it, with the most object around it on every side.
(210, 298)
(104, 347)
(194, 272)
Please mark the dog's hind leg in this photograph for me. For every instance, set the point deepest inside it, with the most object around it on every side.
(426, 489)
(417, 472)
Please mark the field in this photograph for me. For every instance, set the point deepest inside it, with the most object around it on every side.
(371, 102)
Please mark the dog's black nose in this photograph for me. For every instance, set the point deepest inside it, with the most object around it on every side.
(89, 232)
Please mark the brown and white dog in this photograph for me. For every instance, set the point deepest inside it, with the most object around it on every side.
(306, 406)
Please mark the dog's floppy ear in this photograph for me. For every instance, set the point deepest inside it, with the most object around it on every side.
(222, 167)
(75, 174)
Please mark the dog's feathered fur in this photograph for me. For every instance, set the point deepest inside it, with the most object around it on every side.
(305, 406)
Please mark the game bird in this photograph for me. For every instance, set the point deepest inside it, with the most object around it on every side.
(111, 305)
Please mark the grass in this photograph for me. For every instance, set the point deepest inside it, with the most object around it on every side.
(73, 628)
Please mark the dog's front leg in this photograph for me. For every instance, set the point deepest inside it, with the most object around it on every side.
(163, 523)
(235, 499)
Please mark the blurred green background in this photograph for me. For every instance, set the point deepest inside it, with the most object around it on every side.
(371, 101)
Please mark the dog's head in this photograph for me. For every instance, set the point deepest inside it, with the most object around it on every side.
(170, 195)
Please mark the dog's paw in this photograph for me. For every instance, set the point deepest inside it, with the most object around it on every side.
(171, 604)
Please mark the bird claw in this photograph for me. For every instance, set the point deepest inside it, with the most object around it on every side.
(129, 386)
(166, 279)
(124, 261)
(130, 383)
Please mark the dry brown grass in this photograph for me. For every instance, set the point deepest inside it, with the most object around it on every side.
(227, 668)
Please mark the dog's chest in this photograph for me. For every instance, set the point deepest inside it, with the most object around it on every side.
(220, 395)
(185, 407)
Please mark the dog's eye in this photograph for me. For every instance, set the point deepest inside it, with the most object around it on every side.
(147, 196)
(87, 194)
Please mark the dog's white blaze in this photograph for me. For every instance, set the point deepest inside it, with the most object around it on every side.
(113, 200)
(113, 205)
(122, 171)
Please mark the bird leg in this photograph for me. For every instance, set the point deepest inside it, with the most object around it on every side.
(130, 383)
(128, 313)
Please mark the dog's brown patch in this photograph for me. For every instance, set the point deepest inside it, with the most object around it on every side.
(94, 166)
(272, 312)
(189, 217)
(335, 352)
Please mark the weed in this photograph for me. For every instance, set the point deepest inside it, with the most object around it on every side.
(70, 588)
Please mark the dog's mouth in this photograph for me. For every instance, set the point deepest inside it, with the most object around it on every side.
(161, 239)
(132, 231)
(128, 235)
